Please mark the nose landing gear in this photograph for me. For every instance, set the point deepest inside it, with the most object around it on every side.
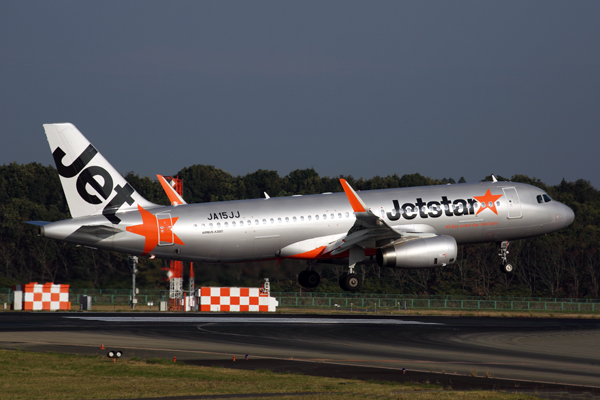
(506, 267)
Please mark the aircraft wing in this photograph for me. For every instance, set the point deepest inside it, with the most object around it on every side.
(369, 228)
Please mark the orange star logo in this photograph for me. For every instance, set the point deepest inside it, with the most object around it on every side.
(487, 201)
(155, 230)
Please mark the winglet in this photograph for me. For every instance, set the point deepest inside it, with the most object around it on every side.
(356, 202)
(173, 196)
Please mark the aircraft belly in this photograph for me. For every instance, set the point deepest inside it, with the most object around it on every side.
(237, 248)
(207, 248)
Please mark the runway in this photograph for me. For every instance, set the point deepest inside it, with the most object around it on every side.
(564, 351)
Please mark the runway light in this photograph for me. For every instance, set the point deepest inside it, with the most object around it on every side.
(233, 358)
(114, 354)
(403, 371)
(246, 357)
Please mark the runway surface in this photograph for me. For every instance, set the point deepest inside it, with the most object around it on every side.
(514, 351)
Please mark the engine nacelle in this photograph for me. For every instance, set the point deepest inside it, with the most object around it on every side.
(428, 252)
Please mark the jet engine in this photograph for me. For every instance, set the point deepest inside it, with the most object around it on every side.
(427, 252)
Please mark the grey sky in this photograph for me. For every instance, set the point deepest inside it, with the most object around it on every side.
(446, 89)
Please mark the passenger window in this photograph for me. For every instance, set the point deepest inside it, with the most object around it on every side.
(279, 220)
(294, 219)
(241, 223)
(272, 220)
(264, 221)
(347, 215)
(287, 219)
(332, 216)
(218, 224)
(233, 224)
(255, 222)
(210, 225)
(310, 217)
(339, 215)
(302, 218)
(547, 198)
(324, 216)
(498, 203)
(317, 217)
(226, 224)
(490, 204)
(539, 198)
(382, 213)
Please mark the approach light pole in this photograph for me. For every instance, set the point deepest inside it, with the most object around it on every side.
(133, 264)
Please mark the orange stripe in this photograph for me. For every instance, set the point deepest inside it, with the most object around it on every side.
(309, 254)
(356, 206)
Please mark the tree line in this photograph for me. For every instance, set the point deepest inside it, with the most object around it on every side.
(563, 264)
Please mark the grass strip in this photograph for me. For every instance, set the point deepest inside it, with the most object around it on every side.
(28, 375)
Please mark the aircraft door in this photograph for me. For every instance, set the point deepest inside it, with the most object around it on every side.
(513, 202)
(165, 229)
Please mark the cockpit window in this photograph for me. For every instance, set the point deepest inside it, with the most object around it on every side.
(539, 198)
(543, 198)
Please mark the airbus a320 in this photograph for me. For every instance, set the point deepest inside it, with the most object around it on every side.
(417, 227)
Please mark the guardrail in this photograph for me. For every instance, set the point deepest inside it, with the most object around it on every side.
(402, 304)
(356, 300)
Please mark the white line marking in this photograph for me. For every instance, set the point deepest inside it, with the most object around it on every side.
(237, 320)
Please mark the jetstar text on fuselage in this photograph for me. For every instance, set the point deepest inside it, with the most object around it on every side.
(435, 209)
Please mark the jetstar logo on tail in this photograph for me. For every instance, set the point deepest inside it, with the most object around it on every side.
(87, 177)
(155, 230)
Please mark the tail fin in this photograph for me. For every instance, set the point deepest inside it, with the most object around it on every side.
(91, 185)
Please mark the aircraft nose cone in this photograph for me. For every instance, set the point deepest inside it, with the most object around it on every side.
(569, 216)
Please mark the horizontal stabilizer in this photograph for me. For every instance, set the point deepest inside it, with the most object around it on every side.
(37, 223)
(173, 196)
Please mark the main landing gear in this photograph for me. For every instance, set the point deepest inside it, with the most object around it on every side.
(506, 267)
(349, 281)
(309, 278)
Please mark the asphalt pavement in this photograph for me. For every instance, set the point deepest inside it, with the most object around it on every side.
(554, 356)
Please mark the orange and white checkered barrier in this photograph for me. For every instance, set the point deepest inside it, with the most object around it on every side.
(34, 296)
(236, 299)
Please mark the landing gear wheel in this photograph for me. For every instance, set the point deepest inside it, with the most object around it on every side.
(302, 278)
(312, 279)
(343, 282)
(351, 282)
(309, 279)
(507, 268)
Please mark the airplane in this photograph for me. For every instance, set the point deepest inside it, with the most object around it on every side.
(415, 227)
